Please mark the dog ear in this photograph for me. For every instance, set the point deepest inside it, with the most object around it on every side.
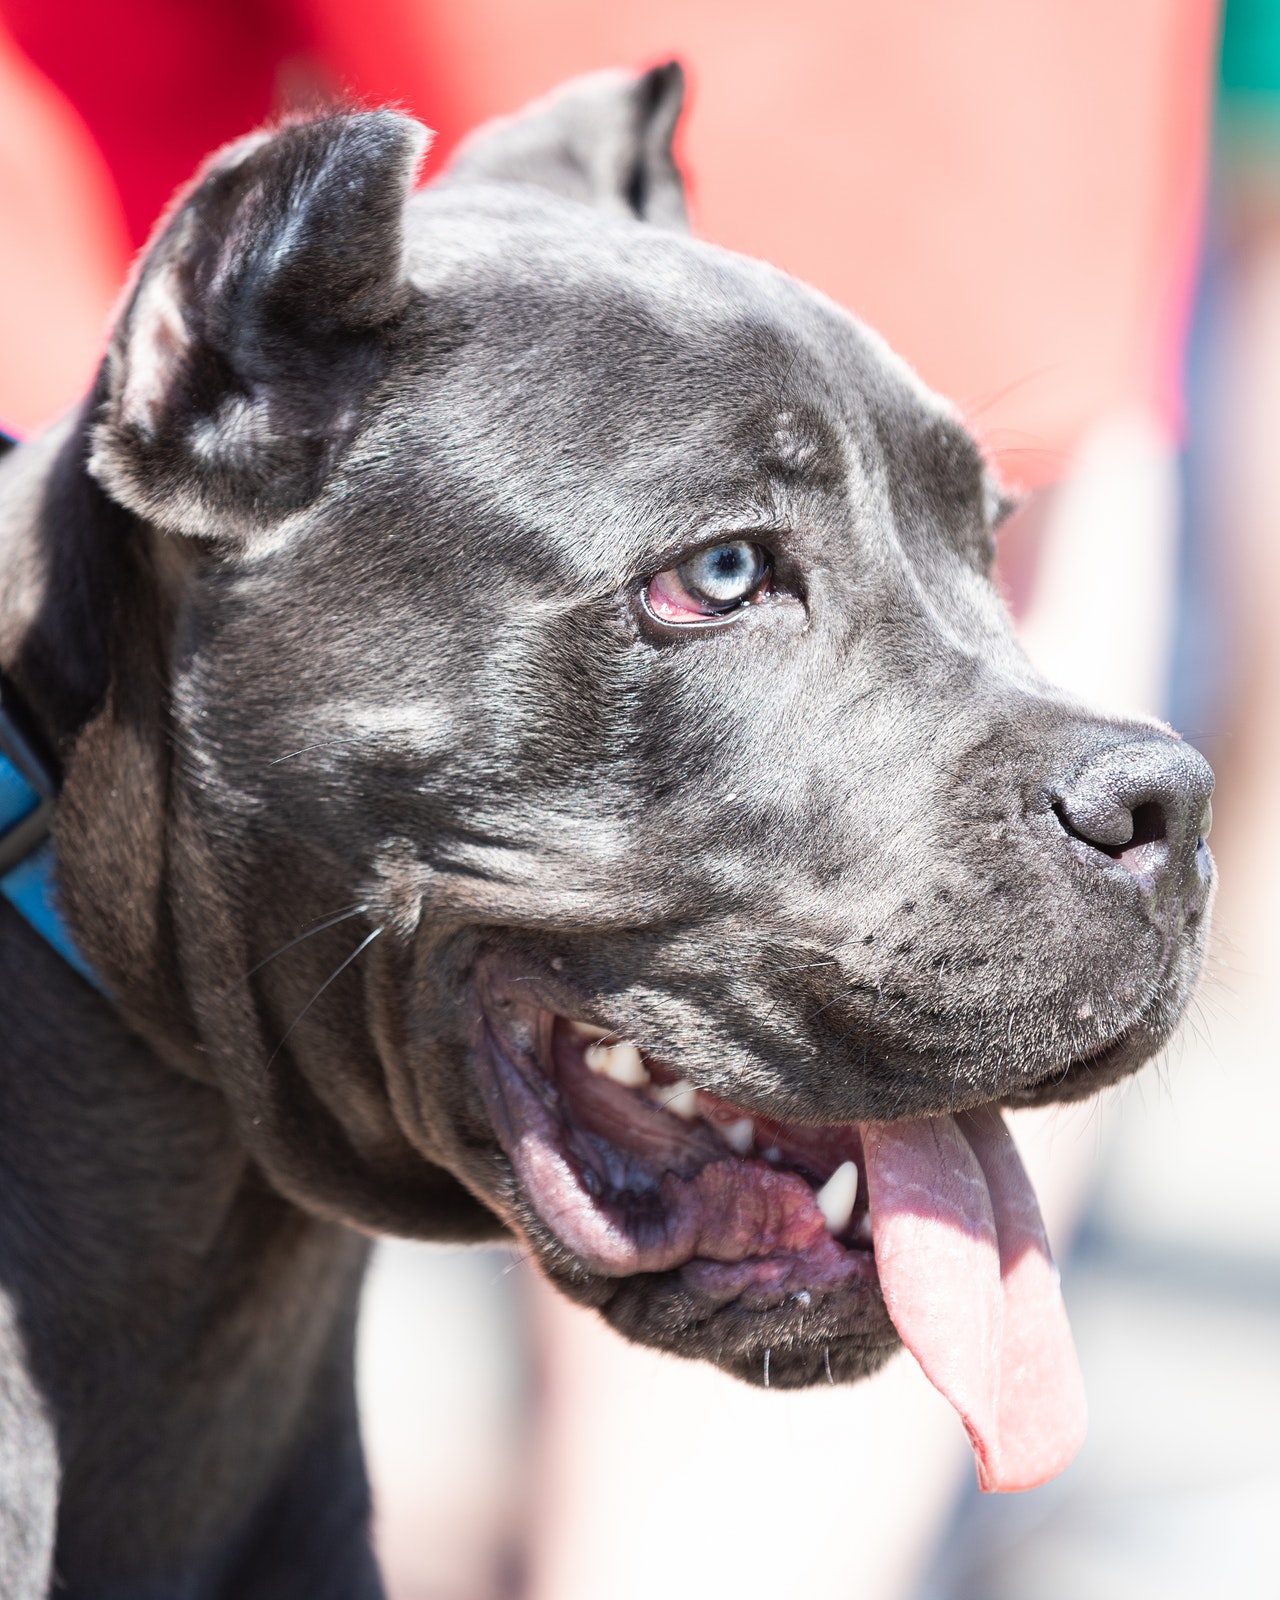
(604, 140)
(258, 323)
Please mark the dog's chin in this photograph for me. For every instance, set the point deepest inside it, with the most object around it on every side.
(697, 1225)
(1141, 1037)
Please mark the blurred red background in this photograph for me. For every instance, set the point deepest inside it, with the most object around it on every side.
(1009, 193)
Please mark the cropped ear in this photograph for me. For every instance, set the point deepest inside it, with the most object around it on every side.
(604, 140)
(259, 321)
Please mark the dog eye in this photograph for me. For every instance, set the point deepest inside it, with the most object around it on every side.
(711, 583)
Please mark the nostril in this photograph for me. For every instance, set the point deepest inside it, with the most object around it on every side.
(1150, 826)
(1149, 847)
(1142, 803)
(1137, 839)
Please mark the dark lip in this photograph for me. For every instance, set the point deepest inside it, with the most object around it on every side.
(1089, 1074)
(576, 1228)
(505, 1064)
(1136, 1041)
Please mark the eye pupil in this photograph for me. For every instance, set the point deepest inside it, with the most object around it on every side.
(724, 574)
(711, 582)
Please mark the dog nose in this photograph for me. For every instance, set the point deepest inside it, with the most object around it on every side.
(1143, 803)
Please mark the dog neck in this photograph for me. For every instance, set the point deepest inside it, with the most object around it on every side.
(85, 620)
(141, 1244)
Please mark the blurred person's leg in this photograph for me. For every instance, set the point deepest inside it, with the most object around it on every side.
(444, 1400)
(661, 1477)
(1243, 471)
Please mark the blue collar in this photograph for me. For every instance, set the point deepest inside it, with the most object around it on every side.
(28, 792)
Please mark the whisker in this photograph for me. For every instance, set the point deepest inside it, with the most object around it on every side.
(324, 744)
(520, 1258)
(331, 922)
(336, 973)
(1048, 452)
(978, 408)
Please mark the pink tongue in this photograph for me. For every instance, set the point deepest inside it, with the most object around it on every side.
(971, 1287)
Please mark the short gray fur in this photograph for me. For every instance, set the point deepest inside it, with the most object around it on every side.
(327, 601)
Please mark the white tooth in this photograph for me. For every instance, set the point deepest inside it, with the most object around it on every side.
(681, 1098)
(739, 1135)
(836, 1197)
(621, 1062)
(772, 1155)
(587, 1030)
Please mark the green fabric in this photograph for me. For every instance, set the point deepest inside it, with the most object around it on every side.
(1249, 66)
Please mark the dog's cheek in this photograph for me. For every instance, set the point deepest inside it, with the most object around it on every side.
(425, 1027)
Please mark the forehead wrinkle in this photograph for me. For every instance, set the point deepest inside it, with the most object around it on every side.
(726, 350)
(528, 251)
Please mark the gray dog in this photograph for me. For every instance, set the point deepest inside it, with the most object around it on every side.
(540, 754)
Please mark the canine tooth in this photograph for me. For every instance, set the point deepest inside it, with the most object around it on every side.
(739, 1135)
(621, 1062)
(680, 1097)
(837, 1195)
(587, 1030)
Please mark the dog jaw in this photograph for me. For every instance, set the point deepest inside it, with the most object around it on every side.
(641, 1197)
(622, 1171)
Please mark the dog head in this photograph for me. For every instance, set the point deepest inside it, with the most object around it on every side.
(604, 781)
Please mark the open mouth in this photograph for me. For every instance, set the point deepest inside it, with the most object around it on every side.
(637, 1173)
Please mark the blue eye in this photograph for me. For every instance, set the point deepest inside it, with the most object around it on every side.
(711, 583)
(723, 575)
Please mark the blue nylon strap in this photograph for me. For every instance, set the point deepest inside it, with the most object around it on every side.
(29, 884)
(17, 797)
(30, 888)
